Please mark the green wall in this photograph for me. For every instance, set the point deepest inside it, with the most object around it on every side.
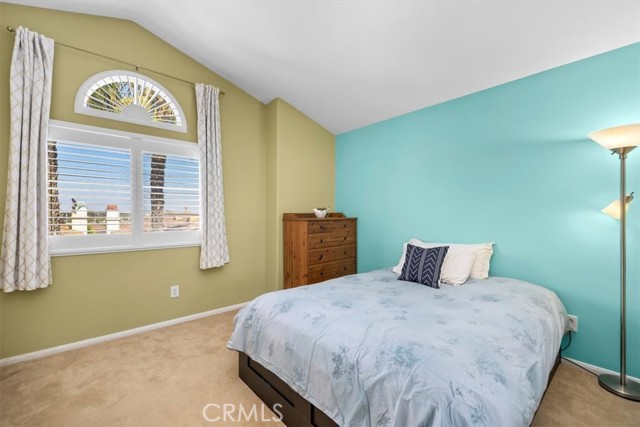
(300, 175)
(93, 295)
(512, 165)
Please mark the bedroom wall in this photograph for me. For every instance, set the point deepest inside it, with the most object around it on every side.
(93, 295)
(300, 175)
(513, 165)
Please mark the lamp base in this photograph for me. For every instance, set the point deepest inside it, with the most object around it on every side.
(611, 383)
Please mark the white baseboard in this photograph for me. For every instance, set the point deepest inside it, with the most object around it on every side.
(104, 338)
(593, 368)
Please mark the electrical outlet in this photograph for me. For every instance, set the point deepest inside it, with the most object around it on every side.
(573, 323)
(175, 291)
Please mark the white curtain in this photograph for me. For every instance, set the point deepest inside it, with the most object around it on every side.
(24, 261)
(213, 248)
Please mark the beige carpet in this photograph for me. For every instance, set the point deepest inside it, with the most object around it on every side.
(167, 377)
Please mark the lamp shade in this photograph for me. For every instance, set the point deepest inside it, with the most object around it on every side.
(613, 209)
(618, 137)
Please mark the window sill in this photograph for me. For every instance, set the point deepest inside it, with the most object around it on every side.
(116, 249)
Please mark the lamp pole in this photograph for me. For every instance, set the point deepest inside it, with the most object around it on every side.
(622, 153)
(618, 384)
(621, 140)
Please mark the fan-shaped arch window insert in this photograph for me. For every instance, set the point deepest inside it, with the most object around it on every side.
(130, 97)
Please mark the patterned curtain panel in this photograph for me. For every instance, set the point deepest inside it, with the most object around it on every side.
(24, 261)
(213, 249)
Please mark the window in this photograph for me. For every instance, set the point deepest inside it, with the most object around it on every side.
(129, 97)
(115, 191)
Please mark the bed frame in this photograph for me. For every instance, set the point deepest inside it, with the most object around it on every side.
(296, 411)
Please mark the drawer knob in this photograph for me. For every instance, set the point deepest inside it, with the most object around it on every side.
(321, 256)
(345, 238)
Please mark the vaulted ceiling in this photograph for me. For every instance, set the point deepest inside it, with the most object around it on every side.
(347, 64)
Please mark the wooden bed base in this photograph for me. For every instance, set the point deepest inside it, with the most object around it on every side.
(295, 410)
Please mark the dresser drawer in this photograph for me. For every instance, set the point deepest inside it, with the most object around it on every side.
(319, 256)
(327, 240)
(331, 270)
(330, 226)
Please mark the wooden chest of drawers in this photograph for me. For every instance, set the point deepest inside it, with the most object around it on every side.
(318, 249)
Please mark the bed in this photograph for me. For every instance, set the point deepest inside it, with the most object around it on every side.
(370, 350)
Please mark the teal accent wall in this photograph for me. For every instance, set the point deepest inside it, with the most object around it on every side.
(513, 165)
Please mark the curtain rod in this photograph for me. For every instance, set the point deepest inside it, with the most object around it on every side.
(138, 67)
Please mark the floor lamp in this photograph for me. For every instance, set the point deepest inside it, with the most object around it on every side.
(621, 140)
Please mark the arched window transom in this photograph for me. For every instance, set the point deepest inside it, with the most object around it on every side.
(130, 97)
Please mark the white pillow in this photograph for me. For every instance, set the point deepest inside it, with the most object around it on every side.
(457, 266)
(398, 268)
(481, 263)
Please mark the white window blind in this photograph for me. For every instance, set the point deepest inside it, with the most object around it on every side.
(171, 192)
(116, 191)
(89, 189)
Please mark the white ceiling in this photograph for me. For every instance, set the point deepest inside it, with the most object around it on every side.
(347, 64)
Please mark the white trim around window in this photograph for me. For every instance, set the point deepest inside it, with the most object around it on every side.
(137, 144)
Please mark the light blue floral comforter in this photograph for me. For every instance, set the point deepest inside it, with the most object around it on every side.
(369, 350)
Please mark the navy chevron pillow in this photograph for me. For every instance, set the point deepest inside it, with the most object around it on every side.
(423, 265)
